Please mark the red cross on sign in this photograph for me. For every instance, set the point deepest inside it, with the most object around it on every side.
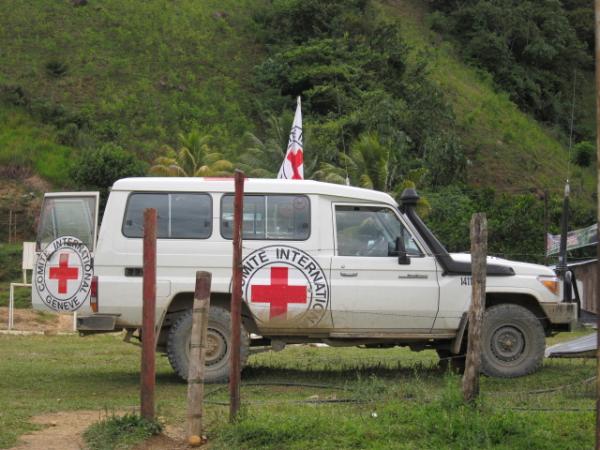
(63, 273)
(279, 293)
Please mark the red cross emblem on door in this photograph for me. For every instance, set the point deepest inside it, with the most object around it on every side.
(279, 294)
(63, 273)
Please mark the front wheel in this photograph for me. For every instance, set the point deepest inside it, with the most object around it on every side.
(218, 345)
(513, 341)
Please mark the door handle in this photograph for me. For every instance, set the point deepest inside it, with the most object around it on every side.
(349, 274)
(414, 276)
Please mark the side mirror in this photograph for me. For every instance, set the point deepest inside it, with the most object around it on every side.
(403, 258)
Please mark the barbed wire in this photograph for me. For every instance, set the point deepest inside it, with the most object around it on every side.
(358, 399)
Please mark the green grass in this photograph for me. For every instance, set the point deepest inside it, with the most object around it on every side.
(120, 432)
(135, 74)
(416, 405)
(25, 143)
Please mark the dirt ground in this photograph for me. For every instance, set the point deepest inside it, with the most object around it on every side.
(30, 320)
(63, 431)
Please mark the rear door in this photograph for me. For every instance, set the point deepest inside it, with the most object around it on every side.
(65, 244)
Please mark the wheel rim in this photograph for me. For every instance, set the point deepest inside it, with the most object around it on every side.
(216, 347)
(508, 343)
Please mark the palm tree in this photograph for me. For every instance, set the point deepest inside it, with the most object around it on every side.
(372, 164)
(262, 158)
(194, 158)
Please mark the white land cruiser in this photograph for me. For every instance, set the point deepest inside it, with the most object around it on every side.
(322, 263)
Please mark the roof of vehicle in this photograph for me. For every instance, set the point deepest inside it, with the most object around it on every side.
(251, 185)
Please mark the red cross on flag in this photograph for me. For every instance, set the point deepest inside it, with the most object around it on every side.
(293, 165)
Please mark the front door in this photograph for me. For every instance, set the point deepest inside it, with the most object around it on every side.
(371, 291)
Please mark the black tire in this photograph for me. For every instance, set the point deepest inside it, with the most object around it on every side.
(513, 342)
(218, 345)
(450, 361)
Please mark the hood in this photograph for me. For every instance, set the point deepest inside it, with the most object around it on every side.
(520, 268)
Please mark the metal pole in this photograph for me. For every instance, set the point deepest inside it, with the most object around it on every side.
(148, 375)
(597, 29)
(236, 298)
(197, 357)
(546, 226)
(11, 307)
(470, 382)
(563, 264)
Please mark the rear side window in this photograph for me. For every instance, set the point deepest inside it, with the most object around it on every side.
(269, 217)
(180, 215)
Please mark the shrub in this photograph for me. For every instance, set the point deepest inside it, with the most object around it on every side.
(584, 153)
(56, 69)
(100, 168)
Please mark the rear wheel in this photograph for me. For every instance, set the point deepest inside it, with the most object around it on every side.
(513, 341)
(218, 345)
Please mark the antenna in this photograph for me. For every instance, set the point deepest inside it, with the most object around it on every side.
(337, 95)
(571, 126)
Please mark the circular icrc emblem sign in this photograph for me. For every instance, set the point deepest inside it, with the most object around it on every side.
(285, 284)
(63, 274)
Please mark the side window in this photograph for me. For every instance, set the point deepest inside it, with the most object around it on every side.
(269, 217)
(133, 222)
(370, 231)
(180, 215)
(191, 216)
(288, 217)
(254, 217)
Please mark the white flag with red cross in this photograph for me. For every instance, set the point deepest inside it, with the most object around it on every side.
(292, 167)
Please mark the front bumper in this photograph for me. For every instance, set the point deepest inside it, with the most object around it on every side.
(561, 313)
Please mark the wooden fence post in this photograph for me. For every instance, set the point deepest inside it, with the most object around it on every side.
(148, 371)
(236, 298)
(197, 357)
(470, 382)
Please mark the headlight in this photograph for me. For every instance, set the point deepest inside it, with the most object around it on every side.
(551, 283)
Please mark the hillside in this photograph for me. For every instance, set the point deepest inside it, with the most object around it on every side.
(125, 72)
(508, 149)
(145, 76)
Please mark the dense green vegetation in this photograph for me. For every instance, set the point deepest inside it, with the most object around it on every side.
(93, 93)
(369, 108)
(532, 49)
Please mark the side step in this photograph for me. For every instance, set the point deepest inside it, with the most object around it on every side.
(97, 322)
